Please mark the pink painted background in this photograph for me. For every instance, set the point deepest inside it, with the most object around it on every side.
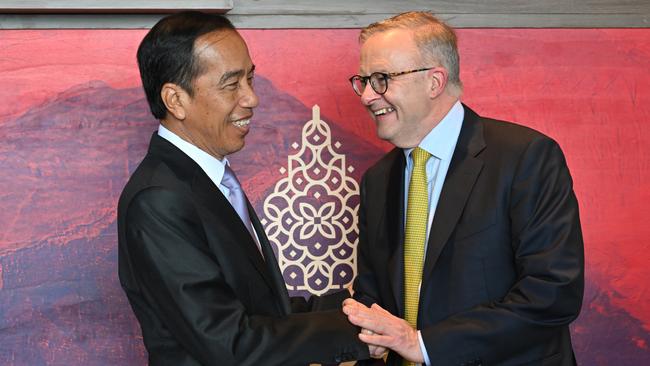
(74, 124)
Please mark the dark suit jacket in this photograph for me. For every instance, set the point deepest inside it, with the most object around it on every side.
(198, 285)
(504, 268)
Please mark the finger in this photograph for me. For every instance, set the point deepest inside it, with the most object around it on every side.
(351, 306)
(376, 340)
(354, 309)
(380, 309)
(357, 320)
(365, 320)
(376, 351)
(350, 301)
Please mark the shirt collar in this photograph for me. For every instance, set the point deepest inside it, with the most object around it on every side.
(212, 166)
(441, 140)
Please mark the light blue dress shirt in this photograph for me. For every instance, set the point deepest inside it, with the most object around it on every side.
(440, 143)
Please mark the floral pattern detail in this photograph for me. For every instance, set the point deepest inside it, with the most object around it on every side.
(311, 216)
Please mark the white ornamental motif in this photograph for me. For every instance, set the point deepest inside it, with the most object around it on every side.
(311, 216)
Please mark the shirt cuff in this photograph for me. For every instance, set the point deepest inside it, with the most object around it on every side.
(423, 350)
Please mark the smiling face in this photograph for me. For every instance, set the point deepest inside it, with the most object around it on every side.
(403, 114)
(216, 117)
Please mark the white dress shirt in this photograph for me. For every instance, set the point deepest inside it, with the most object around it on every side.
(213, 167)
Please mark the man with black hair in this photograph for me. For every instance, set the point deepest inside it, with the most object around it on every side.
(194, 260)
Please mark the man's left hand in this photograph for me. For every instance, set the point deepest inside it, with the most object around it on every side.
(375, 351)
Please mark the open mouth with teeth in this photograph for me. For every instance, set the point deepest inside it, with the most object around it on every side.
(242, 122)
(381, 112)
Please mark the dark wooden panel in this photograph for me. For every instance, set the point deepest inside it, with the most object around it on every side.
(305, 7)
(111, 6)
(456, 20)
(359, 13)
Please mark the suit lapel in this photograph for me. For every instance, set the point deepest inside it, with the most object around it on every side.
(279, 286)
(190, 173)
(461, 177)
(395, 226)
(210, 194)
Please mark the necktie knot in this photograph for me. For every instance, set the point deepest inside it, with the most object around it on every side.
(229, 179)
(420, 156)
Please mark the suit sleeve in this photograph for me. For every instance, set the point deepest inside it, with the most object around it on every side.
(366, 286)
(549, 259)
(182, 279)
(331, 301)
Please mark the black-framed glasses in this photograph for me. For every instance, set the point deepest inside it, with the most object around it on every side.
(378, 80)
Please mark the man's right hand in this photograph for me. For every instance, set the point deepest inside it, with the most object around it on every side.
(387, 330)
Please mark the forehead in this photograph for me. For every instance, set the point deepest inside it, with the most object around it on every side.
(389, 51)
(224, 50)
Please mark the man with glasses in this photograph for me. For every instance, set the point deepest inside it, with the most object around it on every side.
(470, 247)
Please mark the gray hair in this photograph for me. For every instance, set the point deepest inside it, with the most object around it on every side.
(435, 39)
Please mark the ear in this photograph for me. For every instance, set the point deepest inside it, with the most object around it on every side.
(175, 99)
(438, 77)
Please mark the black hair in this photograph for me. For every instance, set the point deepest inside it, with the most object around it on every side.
(166, 54)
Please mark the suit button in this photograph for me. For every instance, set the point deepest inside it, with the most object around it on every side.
(337, 359)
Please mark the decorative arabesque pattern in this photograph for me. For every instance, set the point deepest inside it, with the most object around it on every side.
(311, 216)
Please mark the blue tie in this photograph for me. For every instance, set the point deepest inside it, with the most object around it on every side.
(238, 199)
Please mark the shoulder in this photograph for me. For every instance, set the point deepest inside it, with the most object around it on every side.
(510, 132)
(156, 186)
(520, 150)
(521, 142)
(505, 135)
(156, 206)
(385, 164)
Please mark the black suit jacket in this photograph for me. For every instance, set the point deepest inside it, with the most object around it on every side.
(198, 285)
(504, 267)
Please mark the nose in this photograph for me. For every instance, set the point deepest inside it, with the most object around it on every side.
(369, 95)
(249, 99)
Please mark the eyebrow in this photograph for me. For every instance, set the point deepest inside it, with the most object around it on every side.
(235, 73)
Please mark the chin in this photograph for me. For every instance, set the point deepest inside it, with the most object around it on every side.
(385, 134)
(241, 146)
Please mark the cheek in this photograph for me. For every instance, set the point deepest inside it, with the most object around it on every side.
(394, 97)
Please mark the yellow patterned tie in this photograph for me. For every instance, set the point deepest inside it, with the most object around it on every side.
(415, 235)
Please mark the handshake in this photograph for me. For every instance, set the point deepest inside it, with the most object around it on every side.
(381, 330)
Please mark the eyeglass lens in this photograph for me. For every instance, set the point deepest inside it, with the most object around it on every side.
(377, 82)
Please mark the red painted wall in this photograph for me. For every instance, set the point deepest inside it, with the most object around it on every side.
(73, 125)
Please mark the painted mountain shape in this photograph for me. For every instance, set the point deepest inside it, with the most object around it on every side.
(64, 163)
